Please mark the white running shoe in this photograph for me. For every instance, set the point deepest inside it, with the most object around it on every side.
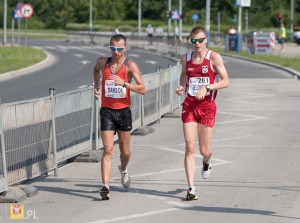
(191, 195)
(206, 169)
(125, 179)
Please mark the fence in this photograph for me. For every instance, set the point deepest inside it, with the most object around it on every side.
(38, 134)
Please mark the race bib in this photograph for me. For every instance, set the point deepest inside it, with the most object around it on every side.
(114, 91)
(195, 84)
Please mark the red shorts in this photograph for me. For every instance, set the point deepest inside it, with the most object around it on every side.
(203, 113)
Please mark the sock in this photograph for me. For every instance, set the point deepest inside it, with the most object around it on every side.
(192, 188)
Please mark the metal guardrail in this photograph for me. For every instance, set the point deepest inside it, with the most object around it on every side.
(38, 134)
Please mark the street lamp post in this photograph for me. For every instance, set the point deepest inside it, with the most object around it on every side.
(207, 20)
(91, 15)
(139, 17)
(292, 20)
(4, 22)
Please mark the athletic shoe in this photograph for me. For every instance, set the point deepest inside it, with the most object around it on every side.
(104, 193)
(206, 169)
(191, 195)
(125, 179)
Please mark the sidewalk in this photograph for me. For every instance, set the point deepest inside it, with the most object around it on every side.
(290, 50)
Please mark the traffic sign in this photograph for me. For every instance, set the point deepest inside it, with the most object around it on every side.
(27, 10)
(243, 3)
(175, 14)
(195, 17)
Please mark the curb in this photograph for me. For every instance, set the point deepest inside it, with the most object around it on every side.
(293, 72)
(17, 194)
(91, 156)
(50, 59)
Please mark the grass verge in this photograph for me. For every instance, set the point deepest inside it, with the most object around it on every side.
(290, 62)
(17, 57)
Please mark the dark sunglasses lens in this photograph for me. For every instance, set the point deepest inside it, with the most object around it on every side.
(120, 49)
(193, 41)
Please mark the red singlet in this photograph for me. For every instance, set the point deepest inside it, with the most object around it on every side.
(199, 111)
(113, 96)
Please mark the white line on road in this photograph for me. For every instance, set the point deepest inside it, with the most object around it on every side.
(82, 86)
(150, 61)
(77, 55)
(84, 62)
(136, 215)
(133, 55)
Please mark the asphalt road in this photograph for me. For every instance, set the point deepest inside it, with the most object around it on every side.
(72, 68)
(255, 174)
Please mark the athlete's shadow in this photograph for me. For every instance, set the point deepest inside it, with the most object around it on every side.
(151, 192)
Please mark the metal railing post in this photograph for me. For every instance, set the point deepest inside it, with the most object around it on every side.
(52, 92)
(93, 114)
(4, 165)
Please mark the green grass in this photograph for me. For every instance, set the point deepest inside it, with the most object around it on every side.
(14, 58)
(290, 62)
(35, 34)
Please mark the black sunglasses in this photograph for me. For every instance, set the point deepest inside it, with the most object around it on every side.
(200, 40)
(119, 49)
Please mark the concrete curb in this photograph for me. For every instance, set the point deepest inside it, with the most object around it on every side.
(17, 194)
(50, 59)
(143, 130)
(92, 156)
(295, 73)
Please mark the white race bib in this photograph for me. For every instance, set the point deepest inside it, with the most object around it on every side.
(195, 83)
(114, 91)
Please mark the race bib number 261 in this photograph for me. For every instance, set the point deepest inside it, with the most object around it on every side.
(195, 84)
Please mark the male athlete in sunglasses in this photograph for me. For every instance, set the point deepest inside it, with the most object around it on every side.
(117, 72)
(199, 81)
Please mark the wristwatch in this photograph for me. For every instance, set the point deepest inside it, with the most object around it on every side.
(207, 87)
(125, 84)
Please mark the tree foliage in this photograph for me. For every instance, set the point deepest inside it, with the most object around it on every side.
(59, 13)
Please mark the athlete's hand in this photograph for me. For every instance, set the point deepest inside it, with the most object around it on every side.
(97, 92)
(179, 90)
(201, 93)
(117, 79)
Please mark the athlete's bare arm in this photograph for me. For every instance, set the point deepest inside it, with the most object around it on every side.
(218, 66)
(183, 76)
(98, 69)
(134, 72)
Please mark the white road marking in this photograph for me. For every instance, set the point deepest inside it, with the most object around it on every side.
(178, 204)
(84, 62)
(156, 197)
(251, 117)
(82, 86)
(77, 55)
(136, 215)
(49, 47)
(62, 47)
(230, 138)
(133, 55)
(151, 61)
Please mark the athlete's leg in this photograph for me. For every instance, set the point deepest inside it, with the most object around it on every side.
(107, 137)
(190, 135)
(205, 136)
(124, 143)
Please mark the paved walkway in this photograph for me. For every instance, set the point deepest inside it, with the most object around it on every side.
(290, 50)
